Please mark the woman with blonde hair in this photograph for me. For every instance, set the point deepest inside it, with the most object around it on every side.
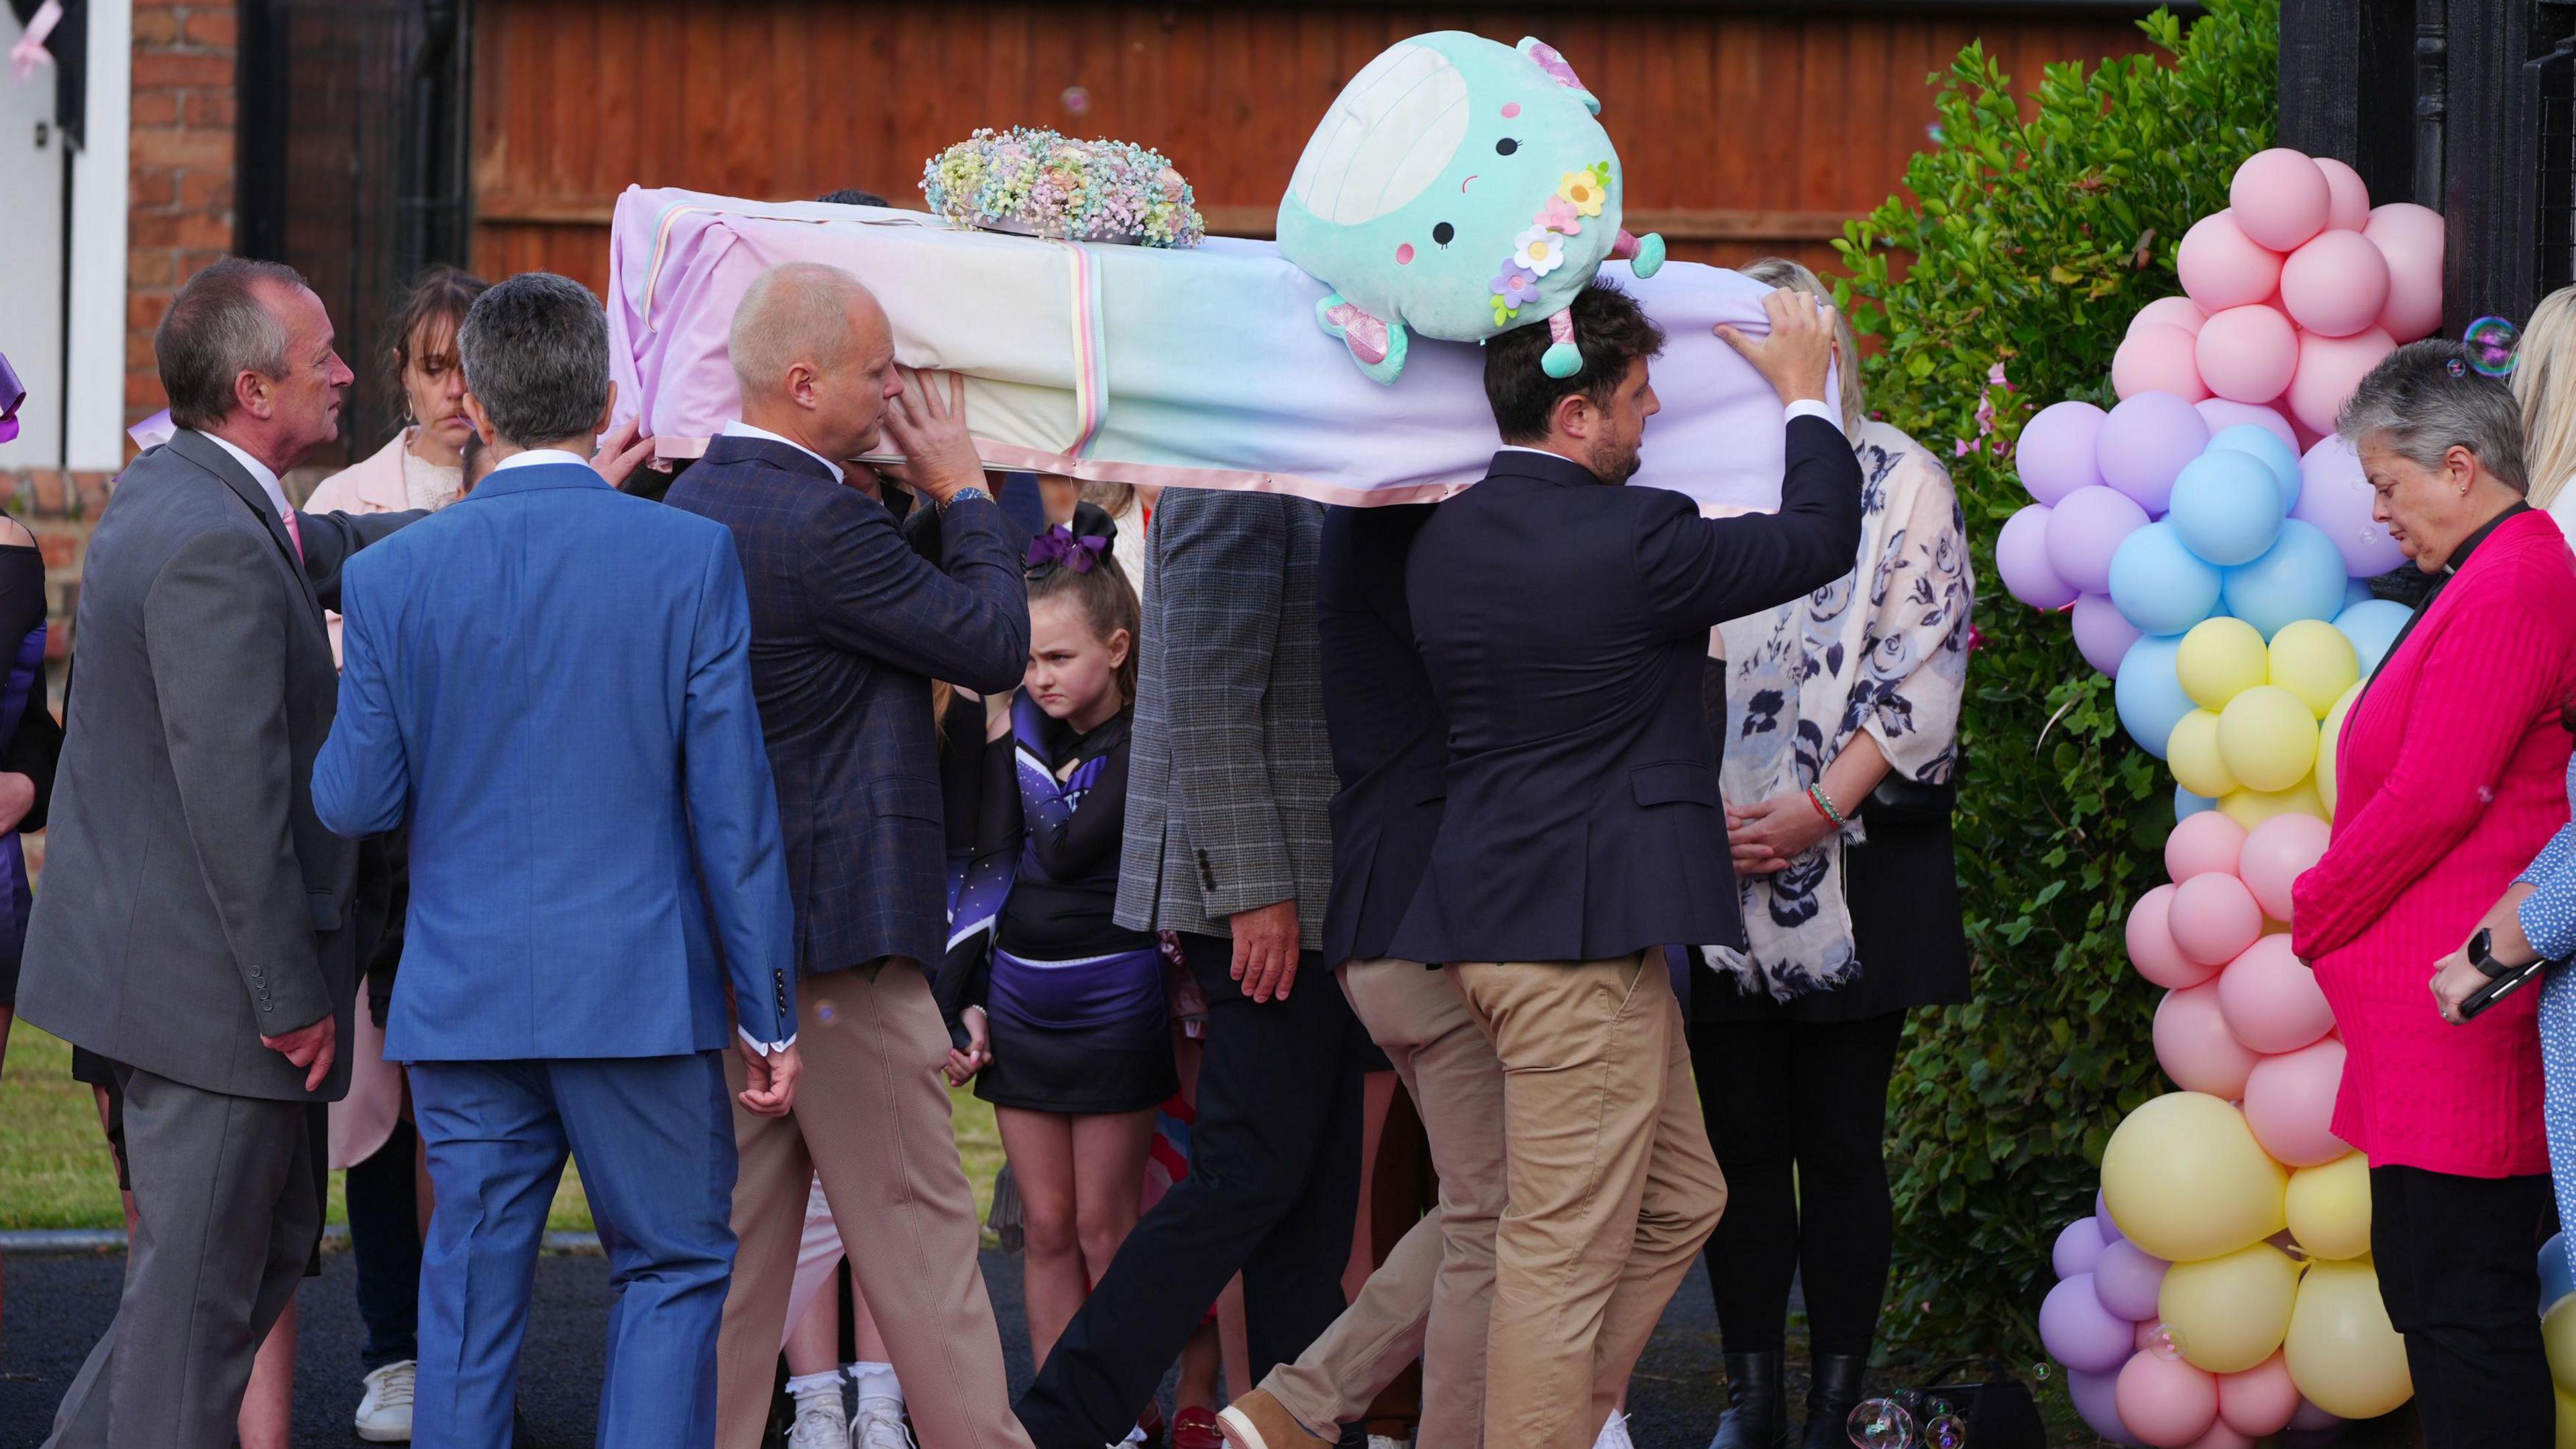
(2544, 383)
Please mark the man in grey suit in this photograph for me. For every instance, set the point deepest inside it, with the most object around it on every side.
(1228, 844)
(191, 927)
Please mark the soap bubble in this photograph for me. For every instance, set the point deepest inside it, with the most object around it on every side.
(1880, 1424)
(2165, 1341)
(2039, 1371)
(825, 1012)
(2490, 341)
(1940, 1409)
(1945, 1432)
(1077, 101)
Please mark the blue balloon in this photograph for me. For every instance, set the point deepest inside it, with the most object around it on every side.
(2187, 804)
(2556, 1279)
(2356, 591)
(2160, 586)
(2149, 693)
(2372, 626)
(2261, 442)
(2224, 506)
(2299, 577)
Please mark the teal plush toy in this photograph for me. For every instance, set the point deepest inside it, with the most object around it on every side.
(1458, 187)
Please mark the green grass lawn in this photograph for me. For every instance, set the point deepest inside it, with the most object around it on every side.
(55, 1171)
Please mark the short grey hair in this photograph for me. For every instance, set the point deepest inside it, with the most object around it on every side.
(217, 328)
(2426, 398)
(794, 312)
(535, 349)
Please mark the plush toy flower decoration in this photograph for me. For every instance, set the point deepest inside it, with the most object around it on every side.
(1537, 251)
(1516, 286)
(1558, 216)
(1582, 191)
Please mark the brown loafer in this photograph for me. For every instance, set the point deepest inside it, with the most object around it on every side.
(1258, 1421)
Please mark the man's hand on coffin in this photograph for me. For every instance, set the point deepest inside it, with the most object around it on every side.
(1265, 949)
(622, 452)
(1795, 359)
(930, 431)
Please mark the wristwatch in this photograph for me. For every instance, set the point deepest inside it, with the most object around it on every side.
(2482, 953)
(962, 494)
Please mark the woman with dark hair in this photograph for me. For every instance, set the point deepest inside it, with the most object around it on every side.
(2451, 774)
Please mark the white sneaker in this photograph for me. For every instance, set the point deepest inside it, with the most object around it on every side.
(821, 1423)
(384, 1415)
(880, 1426)
(1614, 1435)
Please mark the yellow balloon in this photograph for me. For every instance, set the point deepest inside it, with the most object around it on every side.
(2268, 737)
(2329, 1208)
(2313, 660)
(2342, 1352)
(2328, 736)
(2558, 1336)
(2220, 659)
(2185, 1179)
(2250, 808)
(2193, 753)
(2230, 1312)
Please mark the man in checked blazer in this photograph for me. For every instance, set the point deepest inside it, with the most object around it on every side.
(1228, 843)
(848, 628)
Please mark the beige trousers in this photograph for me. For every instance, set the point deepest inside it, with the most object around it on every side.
(1432, 1296)
(871, 1120)
(1612, 1187)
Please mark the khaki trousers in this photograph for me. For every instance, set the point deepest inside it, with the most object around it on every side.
(1612, 1187)
(1432, 1296)
(871, 1119)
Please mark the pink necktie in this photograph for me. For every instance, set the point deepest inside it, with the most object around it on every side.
(295, 535)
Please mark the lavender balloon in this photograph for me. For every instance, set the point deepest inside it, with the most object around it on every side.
(2102, 634)
(2079, 1332)
(2021, 556)
(2144, 444)
(2102, 1205)
(2096, 1399)
(2056, 453)
(2084, 532)
(2127, 1279)
(2079, 1243)
(2336, 498)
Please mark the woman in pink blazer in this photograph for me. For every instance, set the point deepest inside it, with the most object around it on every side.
(2452, 774)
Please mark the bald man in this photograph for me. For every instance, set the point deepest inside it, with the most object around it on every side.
(848, 627)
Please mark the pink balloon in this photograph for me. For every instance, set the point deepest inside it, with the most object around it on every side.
(2410, 237)
(2221, 1437)
(2054, 454)
(2247, 354)
(2336, 284)
(2280, 198)
(2166, 1402)
(2214, 917)
(2021, 557)
(2260, 1400)
(2151, 943)
(2145, 443)
(2329, 369)
(2222, 414)
(2127, 1278)
(2195, 1047)
(2180, 312)
(2222, 267)
(2308, 436)
(2336, 497)
(2103, 634)
(2205, 843)
(2289, 1102)
(2078, 1248)
(2277, 852)
(2084, 532)
(2349, 209)
(2271, 999)
(2157, 358)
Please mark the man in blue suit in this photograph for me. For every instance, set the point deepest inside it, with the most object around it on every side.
(552, 686)
(1565, 622)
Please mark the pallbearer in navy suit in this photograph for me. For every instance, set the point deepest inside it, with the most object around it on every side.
(552, 686)
(1565, 622)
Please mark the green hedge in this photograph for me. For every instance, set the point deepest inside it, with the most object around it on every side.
(2030, 245)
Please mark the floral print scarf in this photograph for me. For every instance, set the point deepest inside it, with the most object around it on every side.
(1805, 677)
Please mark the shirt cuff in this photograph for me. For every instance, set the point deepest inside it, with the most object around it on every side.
(1808, 407)
(766, 1048)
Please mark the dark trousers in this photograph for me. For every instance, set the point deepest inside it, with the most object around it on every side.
(1796, 1112)
(1273, 1193)
(2457, 1273)
(384, 1246)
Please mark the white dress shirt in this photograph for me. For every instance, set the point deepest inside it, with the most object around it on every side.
(737, 428)
(259, 473)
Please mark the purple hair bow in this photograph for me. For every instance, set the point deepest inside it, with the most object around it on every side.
(1058, 548)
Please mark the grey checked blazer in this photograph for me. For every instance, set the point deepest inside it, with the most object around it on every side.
(1231, 774)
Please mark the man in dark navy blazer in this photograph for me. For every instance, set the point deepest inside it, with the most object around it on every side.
(848, 628)
(1564, 619)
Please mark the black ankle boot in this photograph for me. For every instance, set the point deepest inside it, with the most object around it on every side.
(1757, 1413)
(1831, 1396)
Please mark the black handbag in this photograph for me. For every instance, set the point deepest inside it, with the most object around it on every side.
(1900, 803)
(1996, 1412)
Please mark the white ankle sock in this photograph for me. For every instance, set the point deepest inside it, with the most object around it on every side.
(806, 1385)
(876, 1381)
